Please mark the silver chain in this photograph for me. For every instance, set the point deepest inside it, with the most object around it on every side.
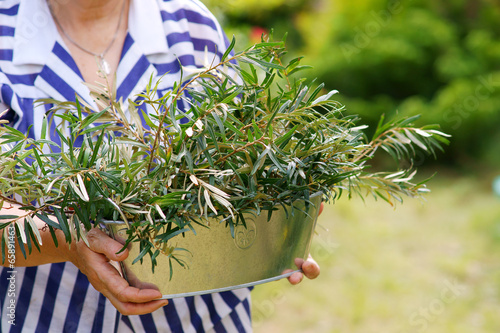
(104, 63)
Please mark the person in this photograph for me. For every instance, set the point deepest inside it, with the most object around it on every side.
(47, 49)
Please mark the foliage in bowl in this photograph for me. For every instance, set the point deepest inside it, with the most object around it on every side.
(252, 137)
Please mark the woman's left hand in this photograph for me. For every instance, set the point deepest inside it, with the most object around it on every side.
(309, 267)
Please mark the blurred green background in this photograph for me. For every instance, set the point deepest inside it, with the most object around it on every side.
(436, 58)
(423, 266)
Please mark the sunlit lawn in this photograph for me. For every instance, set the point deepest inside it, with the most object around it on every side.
(429, 266)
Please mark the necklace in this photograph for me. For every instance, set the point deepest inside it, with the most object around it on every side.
(103, 64)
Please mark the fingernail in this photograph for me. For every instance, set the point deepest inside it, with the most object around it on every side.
(120, 253)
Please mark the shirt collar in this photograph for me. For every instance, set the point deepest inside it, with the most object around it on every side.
(145, 25)
(36, 31)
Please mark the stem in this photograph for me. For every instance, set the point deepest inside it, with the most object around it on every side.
(29, 213)
(10, 200)
(249, 144)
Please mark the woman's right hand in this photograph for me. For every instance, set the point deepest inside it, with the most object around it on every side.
(94, 262)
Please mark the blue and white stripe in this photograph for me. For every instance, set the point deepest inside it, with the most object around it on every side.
(35, 63)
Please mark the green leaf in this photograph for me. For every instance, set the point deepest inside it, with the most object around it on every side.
(148, 121)
(259, 162)
(47, 220)
(282, 140)
(299, 68)
(233, 128)
(97, 147)
(78, 108)
(268, 80)
(43, 132)
(229, 49)
(268, 44)
(63, 223)
(20, 236)
(144, 251)
(49, 142)
(62, 137)
(95, 129)
(41, 165)
(219, 124)
(273, 158)
(247, 77)
(34, 232)
(166, 236)
(28, 236)
(54, 237)
(4, 246)
(8, 217)
(324, 98)
(170, 199)
(232, 95)
(15, 133)
(416, 141)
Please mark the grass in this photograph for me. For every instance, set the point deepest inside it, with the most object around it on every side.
(422, 267)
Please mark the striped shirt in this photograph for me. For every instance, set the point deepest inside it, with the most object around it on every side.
(35, 63)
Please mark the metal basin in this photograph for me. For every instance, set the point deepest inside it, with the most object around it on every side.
(262, 252)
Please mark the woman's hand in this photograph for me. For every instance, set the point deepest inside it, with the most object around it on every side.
(94, 262)
(309, 267)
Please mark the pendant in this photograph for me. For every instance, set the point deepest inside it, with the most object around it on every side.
(105, 68)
